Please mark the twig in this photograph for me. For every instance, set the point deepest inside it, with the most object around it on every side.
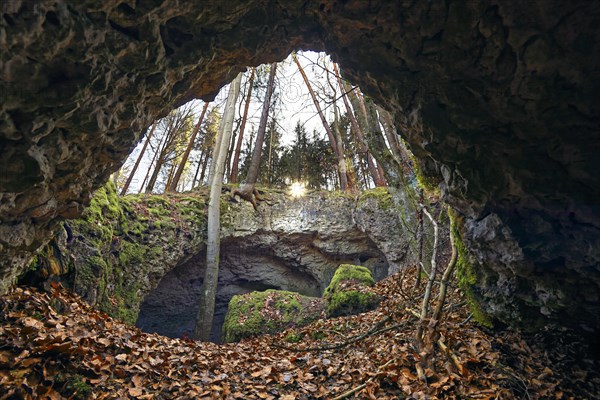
(351, 340)
(362, 386)
(467, 319)
(453, 357)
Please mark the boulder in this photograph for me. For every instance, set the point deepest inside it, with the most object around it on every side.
(267, 312)
(348, 293)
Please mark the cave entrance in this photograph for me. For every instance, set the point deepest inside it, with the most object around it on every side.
(302, 263)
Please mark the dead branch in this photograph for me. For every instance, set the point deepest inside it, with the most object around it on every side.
(362, 386)
(444, 284)
(432, 273)
(373, 331)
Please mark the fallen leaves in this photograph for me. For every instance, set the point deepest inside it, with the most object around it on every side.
(81, 353)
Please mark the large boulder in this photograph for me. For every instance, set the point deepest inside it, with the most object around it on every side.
(271, 311)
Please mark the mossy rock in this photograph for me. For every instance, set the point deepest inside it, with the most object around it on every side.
(466, 274)
(348, 293)
(268, 312)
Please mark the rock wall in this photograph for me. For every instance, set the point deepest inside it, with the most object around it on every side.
(294, 245)
(498, 101)
(130, 250)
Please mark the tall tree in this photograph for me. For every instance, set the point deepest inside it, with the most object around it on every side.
(377, 178)
(248, 191)
(177, 133)
(238, 148)
(208, 293)
(159, 149)
(346, 165)
(172, 187)
(139, 159)
(335, 143)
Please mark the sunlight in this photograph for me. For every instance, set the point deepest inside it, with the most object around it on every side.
(298, 189)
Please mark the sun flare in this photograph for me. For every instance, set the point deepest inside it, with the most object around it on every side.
(297, 189)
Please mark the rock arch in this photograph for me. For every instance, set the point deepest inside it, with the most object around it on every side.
(499, 100)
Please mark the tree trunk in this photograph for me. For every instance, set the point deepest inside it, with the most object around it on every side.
(390, 169)
(377, 178)
(208, 293)
(340, 145)
(173, 186)
(137, 162)
(159, 149)
(330, 134)
(197, 170)
(238, 148)
(248, 191)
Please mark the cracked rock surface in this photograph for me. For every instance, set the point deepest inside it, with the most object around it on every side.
(498, 100)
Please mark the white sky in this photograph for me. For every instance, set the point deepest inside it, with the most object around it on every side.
(296, 105)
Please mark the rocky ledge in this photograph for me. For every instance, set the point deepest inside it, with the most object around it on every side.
(141, 258)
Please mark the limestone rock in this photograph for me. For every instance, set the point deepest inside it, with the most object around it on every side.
(497, 100)
(147, 253)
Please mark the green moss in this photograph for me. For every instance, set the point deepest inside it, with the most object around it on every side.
(265, 312)
(381, 195)
(293, 337)
(351, 302)
(349, 272)
(334, 194)
(465, 272)
(73, 386)
(430, 185)
(346, 294)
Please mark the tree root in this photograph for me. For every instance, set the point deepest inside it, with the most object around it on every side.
(250, 194)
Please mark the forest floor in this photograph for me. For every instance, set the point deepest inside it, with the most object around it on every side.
(53, 345)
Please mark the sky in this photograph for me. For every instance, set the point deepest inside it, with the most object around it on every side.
(295, 105)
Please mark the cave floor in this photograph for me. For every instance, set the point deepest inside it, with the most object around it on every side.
(53, 345)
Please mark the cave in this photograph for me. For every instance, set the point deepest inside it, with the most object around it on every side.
(497, 101)
(301, 263)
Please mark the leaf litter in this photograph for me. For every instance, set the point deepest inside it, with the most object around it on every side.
(53, 345)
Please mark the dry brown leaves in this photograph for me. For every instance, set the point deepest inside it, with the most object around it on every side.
(55, 346)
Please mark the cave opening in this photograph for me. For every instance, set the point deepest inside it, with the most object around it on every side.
(488, 98)
(295, 263)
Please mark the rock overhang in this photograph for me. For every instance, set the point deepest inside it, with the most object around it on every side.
(497, 99)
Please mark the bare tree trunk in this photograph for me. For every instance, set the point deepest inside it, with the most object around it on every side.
(269, 166)
(377, 177)
(173, 186)
(204, 165)
(170, 176)
(137, 162)
(398, 150)
(432, 275)
(238, 148)
(330, 134)
(340, 145)
(197, 170)
(420, 239)
(346, 180)
(248, 191)
(444, 283)
(159, 160)
(208, 293)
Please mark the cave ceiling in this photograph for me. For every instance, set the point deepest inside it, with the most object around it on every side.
(498, 100)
